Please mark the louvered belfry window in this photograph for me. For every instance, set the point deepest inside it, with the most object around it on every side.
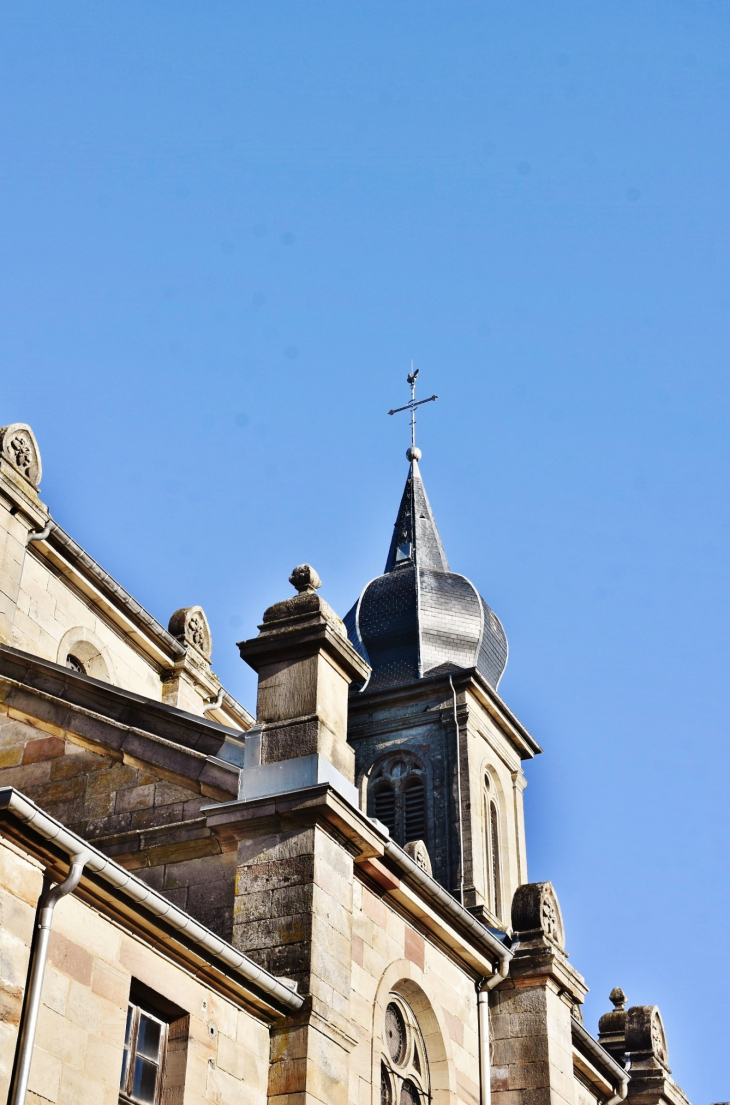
(414, 809)
(397, 797)
(384, 807)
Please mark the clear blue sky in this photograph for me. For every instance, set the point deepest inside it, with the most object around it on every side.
(227, 227)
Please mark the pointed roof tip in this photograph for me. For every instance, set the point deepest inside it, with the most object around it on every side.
(416, 538)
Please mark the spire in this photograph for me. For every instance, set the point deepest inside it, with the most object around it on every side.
(416, 540)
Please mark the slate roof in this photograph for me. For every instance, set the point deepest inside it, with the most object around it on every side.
(419, 618)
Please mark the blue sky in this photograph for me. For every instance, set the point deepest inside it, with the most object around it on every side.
(226, 229)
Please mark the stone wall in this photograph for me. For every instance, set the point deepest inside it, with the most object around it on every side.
(390, 955)
(93, 794)
(222, 1055)
(145, 822)
(49, 613)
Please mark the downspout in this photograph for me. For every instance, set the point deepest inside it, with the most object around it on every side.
(485, 1066)
(42, 534)
(214, 703)
(458, 794)
(39, 954)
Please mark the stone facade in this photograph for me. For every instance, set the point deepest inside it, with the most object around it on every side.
(222, 1050)
(327, 904)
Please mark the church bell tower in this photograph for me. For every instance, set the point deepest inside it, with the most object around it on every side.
(438, 754)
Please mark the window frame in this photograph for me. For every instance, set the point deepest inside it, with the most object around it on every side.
(126, 1078)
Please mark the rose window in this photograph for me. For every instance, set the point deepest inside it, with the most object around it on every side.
(403, 1068)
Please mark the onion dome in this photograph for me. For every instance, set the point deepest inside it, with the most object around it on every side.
(419, 618)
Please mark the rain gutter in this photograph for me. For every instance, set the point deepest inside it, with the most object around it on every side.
(239, 968)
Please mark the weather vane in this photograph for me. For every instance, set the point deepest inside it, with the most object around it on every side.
(413, 453)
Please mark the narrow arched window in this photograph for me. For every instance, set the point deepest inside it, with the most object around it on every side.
(492, 856)
(496, 874)
(397, 797)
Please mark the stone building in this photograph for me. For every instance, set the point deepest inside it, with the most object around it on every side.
(325, 903)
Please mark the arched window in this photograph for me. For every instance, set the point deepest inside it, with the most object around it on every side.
(404, 1077)
(492, 856)
(81, 650)
(397, 797)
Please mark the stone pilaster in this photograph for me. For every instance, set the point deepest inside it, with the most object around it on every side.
(293, 899)
(532, 1051)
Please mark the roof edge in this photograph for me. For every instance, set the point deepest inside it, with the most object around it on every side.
(245, 972)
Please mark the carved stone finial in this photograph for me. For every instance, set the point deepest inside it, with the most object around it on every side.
(418, 852)
(190, 625)
(536, 914)
(19, 446)
(305, 580)
(617, 997)
(645, 1034)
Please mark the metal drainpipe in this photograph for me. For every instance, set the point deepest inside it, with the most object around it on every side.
(42, 534)
(458, 794)
(39, 952)
(214, 703)
(485, 1066)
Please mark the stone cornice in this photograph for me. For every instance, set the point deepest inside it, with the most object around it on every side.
(299, 638)
(116, 893)
(420, 898)
(437, 686)
(179, 746)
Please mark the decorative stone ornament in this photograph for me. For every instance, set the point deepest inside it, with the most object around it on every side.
(645, 1036)
(418, 852)
(305, 580)
(190, 625)
(536, 914)
(612, 1026)
(20, 448)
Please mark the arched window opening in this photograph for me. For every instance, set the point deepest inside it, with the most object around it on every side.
(81, 650)
(492, 857)
(496, 879)
(397, 797)
(404, 1078)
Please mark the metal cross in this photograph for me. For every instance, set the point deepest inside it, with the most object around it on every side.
(412, 375)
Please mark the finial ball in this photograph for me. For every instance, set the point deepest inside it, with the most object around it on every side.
(413, 453)
(617, 997)
(304, 579)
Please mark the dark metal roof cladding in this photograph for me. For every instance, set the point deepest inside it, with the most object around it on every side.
(419, 618)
